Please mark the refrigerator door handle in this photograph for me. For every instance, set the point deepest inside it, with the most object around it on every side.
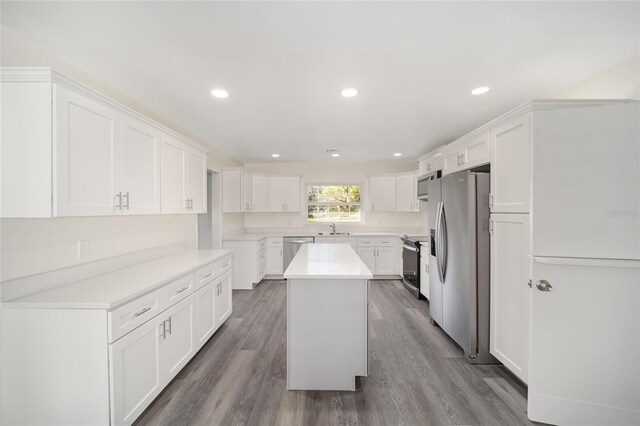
(438, 242)
(443, 242)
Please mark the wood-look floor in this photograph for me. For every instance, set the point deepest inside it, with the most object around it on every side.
(418, 375)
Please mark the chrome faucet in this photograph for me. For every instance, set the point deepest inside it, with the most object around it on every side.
(333, 228)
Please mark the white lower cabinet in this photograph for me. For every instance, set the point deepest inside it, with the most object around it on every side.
(381, 254)
(510, 293)
(275, 258)
(205, 313)
(223, 302)
(386, 260)
(179, 335)
(368, 256)
(424, 274)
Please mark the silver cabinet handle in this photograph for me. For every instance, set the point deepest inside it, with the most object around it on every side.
(137, 314)
(543, 285)
(169, 321)
(182, 289)
(224, 266)
(164, 331)
(119, 197)
(126, 196)
(208, 275)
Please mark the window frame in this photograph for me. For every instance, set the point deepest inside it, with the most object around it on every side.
(336, 183)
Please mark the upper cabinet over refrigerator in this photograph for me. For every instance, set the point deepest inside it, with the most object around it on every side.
(586, 182)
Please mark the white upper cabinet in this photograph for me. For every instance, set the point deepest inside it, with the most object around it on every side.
(292, 194)
(430, 164)
(76, 152)
(196, 181)
(138, 171)
(259, 193)
(382, 193)
(236, 191)
(245, 192)
(511, 166)
(86, 134)
(406, 199)
(452, 160)
(276, 194)
(477, 150)
(174, 157)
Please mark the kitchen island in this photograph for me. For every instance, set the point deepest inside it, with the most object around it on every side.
(327, 318)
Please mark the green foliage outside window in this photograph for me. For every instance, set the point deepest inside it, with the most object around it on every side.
(333, 203)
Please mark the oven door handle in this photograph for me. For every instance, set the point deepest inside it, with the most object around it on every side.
(406, 247)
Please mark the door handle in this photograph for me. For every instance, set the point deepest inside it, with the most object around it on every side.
(169, 321)
(543, 285)
(119, 197)
(126, 195)
(147, 309)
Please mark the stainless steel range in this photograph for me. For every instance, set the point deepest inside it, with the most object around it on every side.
(411, 262)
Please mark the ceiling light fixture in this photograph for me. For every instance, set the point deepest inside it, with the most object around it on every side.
(480, 90)
(334, 152)
(349, 92)
(275, 155)
(220, 93)
(397, 154)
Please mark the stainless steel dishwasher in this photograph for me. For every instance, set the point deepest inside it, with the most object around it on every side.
(291, 247)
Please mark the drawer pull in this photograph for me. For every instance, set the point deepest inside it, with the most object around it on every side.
(137, 314)
(225, 266)
(208, 275)
(182, 289)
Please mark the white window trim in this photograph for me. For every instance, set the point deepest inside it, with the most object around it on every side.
(332, 183)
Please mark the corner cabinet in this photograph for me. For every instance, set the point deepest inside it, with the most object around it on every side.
(382, 193)
(80, 153)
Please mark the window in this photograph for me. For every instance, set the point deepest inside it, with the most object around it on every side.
(333, 203)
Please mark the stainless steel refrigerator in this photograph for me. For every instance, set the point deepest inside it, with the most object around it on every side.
(458, 212)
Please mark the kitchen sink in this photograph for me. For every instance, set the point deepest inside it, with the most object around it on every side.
(334, 233)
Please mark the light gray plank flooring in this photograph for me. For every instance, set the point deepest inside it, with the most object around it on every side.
(418, 375)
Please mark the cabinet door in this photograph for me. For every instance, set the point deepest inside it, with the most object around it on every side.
(180, 338)
(292, 194)
(139, 168)
(276, 198)
(452, 161)
(477, 151)
(205, 314)
(386, 260)
(223, 299)
(172, 172)
(196, 181)
(510, 166)
(86, 135)
(137, 371)
(405, 193)
(424, 276)
(232, 197)
(510, 273)
(382, 193)
(274, 260)
(368, 256)
(259, 194)
(246, 192)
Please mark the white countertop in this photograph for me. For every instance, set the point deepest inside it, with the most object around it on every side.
(327, 261)
(251, 236)
(113, 289)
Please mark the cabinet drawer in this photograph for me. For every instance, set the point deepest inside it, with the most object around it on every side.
(127, 317)
(366, 242)
(262, 244)
(274, 242)
(221, 266)
(205, 275)
(347, 240)
(388, 241)
(262, 257)
(179, 289)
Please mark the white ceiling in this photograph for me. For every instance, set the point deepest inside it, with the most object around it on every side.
(284, 65)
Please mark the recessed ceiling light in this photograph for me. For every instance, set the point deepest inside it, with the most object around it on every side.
(349, 92)
(397, 154)
(480, 90)
(219, 93)
(275, 155)
(335, 154)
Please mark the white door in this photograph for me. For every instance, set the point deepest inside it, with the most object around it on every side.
(386, 260)
(424, 275)
(511, 165)
(382, 193)
(259, 193)
(276, 198)
(585, 342)
(452, 161)
(510, 293)
(246, 192)
(477, 151)
(172, 172)
(586, 180)
(292, 194)
(196, 181)
(223, 299)
(86, 134)
(180, 341)
(138, 189)
(136, 365)
(368, 256)
(205, 314)
(274, 260)
(405, 193)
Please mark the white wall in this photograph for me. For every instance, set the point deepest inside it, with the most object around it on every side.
(621, 81)
(31, 246)
(334, 173)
